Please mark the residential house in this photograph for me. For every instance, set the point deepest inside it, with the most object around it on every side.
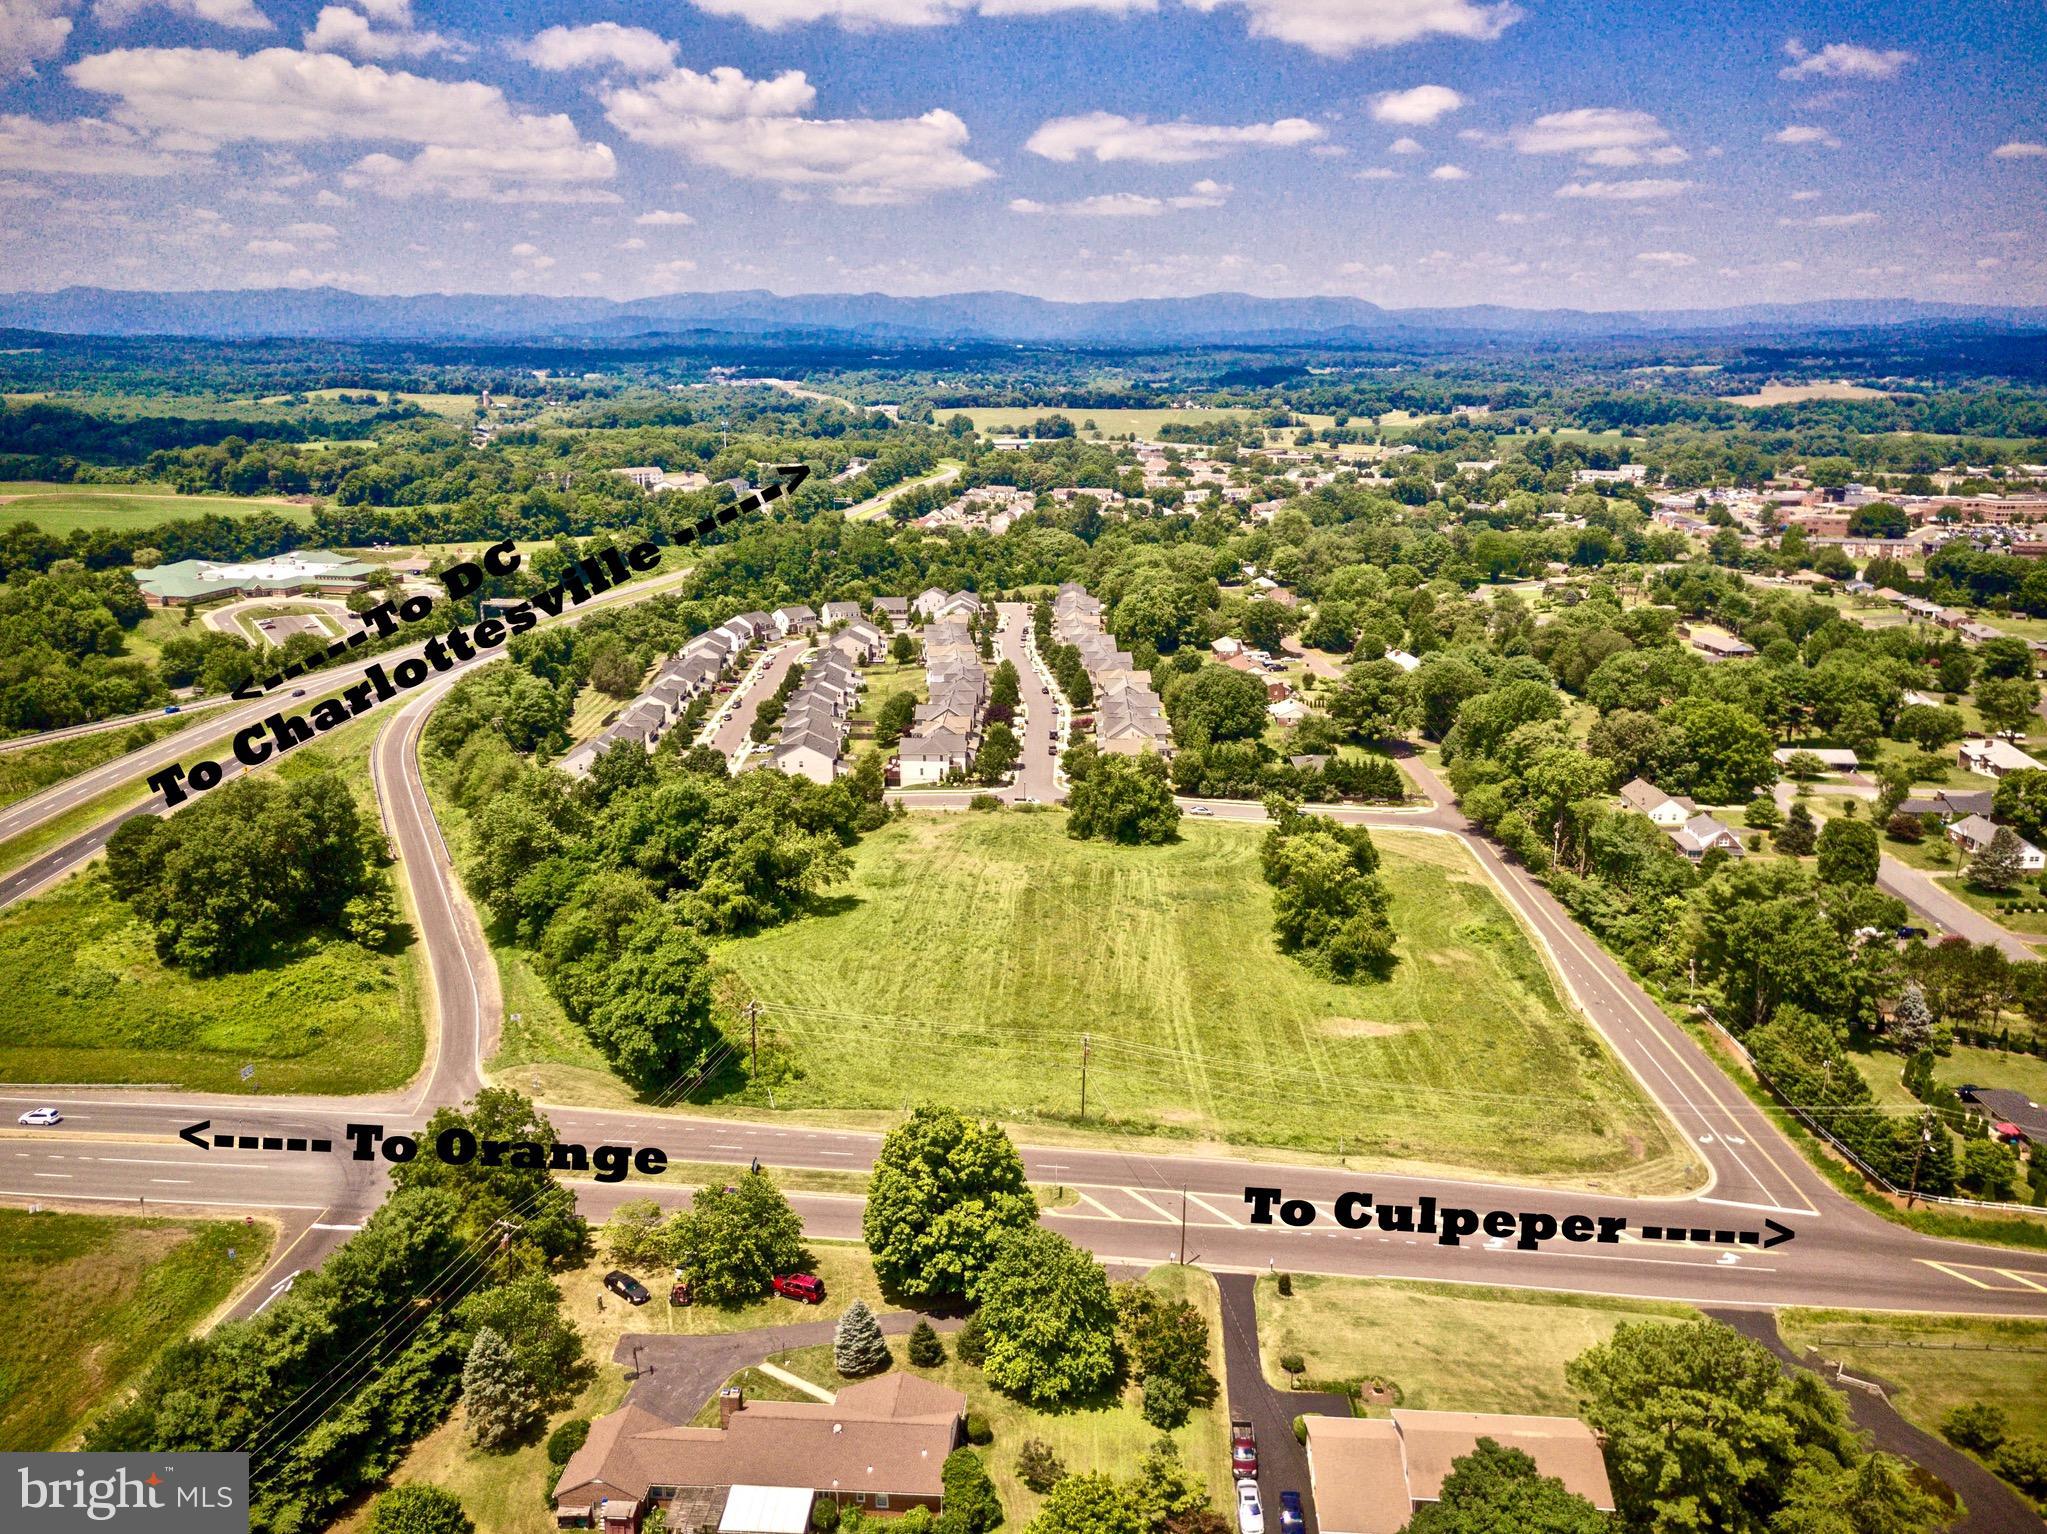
(1950, 803)
(1370, 1475)
(861, 641)
(894, 611)
(808, 751)
(1403, 660)
(1703, 834)
(836, 613)
(2013, 1115)
(1645, 798)
(1974, 833)
(1718, 647)
(796, 619)
(928, 601)
(928, 756)
(1292, 711)
(1994, 757)
(1831, 758)
(879, 1446)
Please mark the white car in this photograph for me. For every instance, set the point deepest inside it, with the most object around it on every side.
(1199, 809)
(41, 1117)
(1250, 1516)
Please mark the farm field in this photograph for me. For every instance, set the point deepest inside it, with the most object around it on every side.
(1108, 423)
(91, 1300)
(122, 508)
(451, 405)
(992, 943)
(1449, 1347)
(1792, 394)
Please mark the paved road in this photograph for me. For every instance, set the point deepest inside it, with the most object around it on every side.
(676, 1374)
(218, 729)
(1043, 713)
(100, 726)
(875, 508)
(1930, 900)
(732, 734)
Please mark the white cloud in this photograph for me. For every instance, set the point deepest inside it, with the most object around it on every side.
(674, 268)
(1203, 194)
(340, 30)
(862, 15)
(1511, 218)
(30, 31)
(1647, 189)
(1669, 258)
(1805, 196)
(268, 247)
(1843, 61)
(1624, 155)
(2019, 149)
(312, 232)
(663, 218)
(1804, 133)
(1449, 173)
(331, 199)
(1378, 173)
(524, 249)
(1589, 131)
(85, 146)
(1405, 146)
(1832, 221)
(1107, 137)
(635, 243)
(1416, 107)
(472, 142)
(1339, 28)
(242, 15)
(635, 50)
(753, 129)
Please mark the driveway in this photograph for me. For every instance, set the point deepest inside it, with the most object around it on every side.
(677, 1375)
(1994, 1508)
(1282, 1462)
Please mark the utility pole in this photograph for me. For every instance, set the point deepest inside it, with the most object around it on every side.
(753, 1024)
(1183, 1225)
(1084, 1047)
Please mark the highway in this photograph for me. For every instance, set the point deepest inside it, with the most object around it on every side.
(117, 1146)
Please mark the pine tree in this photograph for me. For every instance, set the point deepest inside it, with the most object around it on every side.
(1037, 1466)
(858, 1348)
(1912, 1021)
(926, 1351)
(1797, 837)
(501, 1399)
(1996, 867)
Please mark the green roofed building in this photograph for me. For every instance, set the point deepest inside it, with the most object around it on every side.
(296, 573)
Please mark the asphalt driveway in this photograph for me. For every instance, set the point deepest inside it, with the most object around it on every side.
(1282, 1462)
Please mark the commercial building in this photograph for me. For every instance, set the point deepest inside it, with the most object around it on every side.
(186, 581)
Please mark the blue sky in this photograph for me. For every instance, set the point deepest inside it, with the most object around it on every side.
(1406, 151)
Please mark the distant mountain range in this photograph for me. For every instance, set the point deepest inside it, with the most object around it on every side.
(334, 314)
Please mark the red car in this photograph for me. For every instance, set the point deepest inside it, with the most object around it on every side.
(806, 1287)
(1243, 1451)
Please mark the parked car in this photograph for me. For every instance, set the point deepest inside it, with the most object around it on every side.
(1291, 1518)
(298, 692)
(1199, 809)
(627, 1288)
(807, 1287)
(1906, 934)
(679, 1294)
(1243, 1449)
(41, 1117)
(1250, 1515)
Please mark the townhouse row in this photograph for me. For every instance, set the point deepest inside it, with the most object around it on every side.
(1129, 718)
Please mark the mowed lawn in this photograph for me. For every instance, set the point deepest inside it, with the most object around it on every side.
(1447, 1347)
(90, 1300)
(1932, 1364)
(970, 954)
(122, 508)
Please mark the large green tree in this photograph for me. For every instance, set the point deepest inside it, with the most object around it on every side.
(1494, 1490)
(946, 1190)
(1050, 1320)
(732, 1241)
(1127, 799)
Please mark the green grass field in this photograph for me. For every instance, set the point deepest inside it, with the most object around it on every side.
(1448, 1347)
(122, 508)
(91, 1001)
(90, 1300)
(1931, 1364)
(969, 955)
(35, 768)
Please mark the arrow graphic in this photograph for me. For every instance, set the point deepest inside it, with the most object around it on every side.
(190, 1134)
(1704, 1237)
(793, 474)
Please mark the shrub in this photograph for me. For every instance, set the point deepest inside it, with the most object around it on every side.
(1301, 1430)
(1977, 1427)
(971, 1506)
(926, 1351)
(2023, 1462)
(984, 802)
(978, 1431)
(1294, 1365)
(824, 1515)
(419, 1509)
(1037, 1466)
(1165, 1402)
(971, 1347)
(1905, 828)
(563, 1442)
(1286, 1285)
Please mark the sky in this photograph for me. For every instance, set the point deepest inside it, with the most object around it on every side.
(1536, 153)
